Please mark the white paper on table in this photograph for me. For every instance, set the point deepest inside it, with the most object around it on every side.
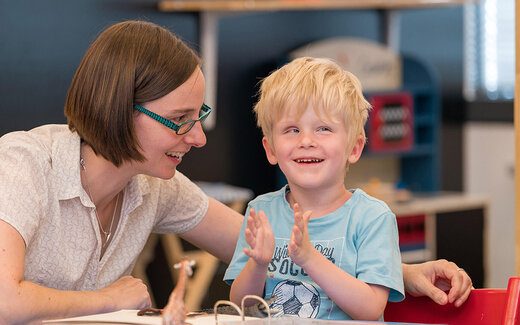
(129, 316)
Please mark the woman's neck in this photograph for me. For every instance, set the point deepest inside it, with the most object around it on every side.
(104, 180)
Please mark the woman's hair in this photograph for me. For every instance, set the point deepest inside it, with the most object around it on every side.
(317, 81)
(129, 63)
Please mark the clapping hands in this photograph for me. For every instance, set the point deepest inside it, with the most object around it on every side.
(260, 238)
(300, 246)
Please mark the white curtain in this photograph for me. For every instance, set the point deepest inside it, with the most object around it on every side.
(489, 50)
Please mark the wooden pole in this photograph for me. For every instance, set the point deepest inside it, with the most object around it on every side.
(517, 133)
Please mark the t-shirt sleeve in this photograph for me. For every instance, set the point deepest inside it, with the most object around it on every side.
(181, 205)
(23, 169)
(379, 259)
(239, 259)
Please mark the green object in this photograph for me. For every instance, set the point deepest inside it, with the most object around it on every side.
(182, 128)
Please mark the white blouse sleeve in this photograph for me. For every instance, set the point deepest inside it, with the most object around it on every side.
(182, 205)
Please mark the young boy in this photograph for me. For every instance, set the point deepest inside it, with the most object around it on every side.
(340, 259)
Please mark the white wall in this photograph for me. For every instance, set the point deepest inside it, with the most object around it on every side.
(489, 169)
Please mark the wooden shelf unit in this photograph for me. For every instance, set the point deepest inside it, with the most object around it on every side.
(271, 5)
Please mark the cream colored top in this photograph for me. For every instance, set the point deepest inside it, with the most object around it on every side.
(41, 196)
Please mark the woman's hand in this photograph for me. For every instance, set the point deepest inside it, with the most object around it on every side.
(259, 236)
(433, 278)
(300, 246)
(127, 293)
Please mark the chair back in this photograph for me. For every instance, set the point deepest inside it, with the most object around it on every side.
(484, 306)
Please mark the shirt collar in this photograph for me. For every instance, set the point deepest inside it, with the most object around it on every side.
(65, 157)
(66, 168)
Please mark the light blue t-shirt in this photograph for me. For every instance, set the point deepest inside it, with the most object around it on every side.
(360, 237)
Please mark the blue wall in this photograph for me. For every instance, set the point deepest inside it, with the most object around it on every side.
(42, 43)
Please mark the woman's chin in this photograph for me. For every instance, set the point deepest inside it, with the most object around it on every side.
(165, 174)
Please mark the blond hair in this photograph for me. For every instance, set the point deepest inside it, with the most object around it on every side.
(317, 81)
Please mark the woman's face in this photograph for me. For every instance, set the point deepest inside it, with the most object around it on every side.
(162, 148)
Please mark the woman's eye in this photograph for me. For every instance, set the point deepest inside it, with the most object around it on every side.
(180, 119)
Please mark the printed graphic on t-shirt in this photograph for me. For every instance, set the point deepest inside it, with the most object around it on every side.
(296, 298)
(297, 294)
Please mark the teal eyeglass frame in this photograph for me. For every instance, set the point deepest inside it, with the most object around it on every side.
(182, 128)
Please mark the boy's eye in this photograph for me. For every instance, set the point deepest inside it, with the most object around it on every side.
(324, 129)
(292, 130)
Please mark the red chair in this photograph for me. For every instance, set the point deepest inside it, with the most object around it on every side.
(483, 307)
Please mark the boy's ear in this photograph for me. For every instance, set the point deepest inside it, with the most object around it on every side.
(357, 149)
(269, 152)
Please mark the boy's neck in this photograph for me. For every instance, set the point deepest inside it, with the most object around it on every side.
(320, 202)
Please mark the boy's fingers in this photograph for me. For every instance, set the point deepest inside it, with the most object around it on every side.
(253, 229)
(296, 208)
(254, 216)
(250, 222)
(262, 218)
(297, 220)
(250, 239)
(297, 235)
(264, 223)
(306, 217)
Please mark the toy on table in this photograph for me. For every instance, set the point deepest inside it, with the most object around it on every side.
(175, 313)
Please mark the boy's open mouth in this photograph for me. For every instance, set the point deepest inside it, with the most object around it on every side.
(308, 161)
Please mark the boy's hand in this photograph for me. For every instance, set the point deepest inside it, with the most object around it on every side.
(260, 238)
(300, 246)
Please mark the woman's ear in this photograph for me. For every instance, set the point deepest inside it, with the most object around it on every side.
(269, 152)
(357, 149)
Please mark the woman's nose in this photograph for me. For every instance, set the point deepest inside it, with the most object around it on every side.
(196, 136)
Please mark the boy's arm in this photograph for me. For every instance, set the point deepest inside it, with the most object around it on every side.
(251, 280)
(360, 300)
(349, 293)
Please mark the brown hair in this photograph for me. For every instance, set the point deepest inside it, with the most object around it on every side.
(319, 81)
(129, 63)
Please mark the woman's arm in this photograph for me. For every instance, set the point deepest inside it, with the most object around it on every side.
(218, 231)
(23, 301)
(433, 278)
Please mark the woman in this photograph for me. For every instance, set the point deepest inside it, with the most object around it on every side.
(77, 204)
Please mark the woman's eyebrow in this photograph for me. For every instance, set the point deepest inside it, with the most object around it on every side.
(178, 112)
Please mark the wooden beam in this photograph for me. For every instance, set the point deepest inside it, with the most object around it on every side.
(272, 5)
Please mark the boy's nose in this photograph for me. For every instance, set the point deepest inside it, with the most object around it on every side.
(196, 136)
(306, 139)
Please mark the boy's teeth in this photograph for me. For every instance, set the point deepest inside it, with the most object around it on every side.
(309, 160)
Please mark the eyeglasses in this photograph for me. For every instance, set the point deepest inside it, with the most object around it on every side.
(182, 128)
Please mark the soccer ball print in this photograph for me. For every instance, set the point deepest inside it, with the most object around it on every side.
(296, 298)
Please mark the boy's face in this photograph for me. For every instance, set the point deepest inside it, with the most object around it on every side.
(312, 152)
